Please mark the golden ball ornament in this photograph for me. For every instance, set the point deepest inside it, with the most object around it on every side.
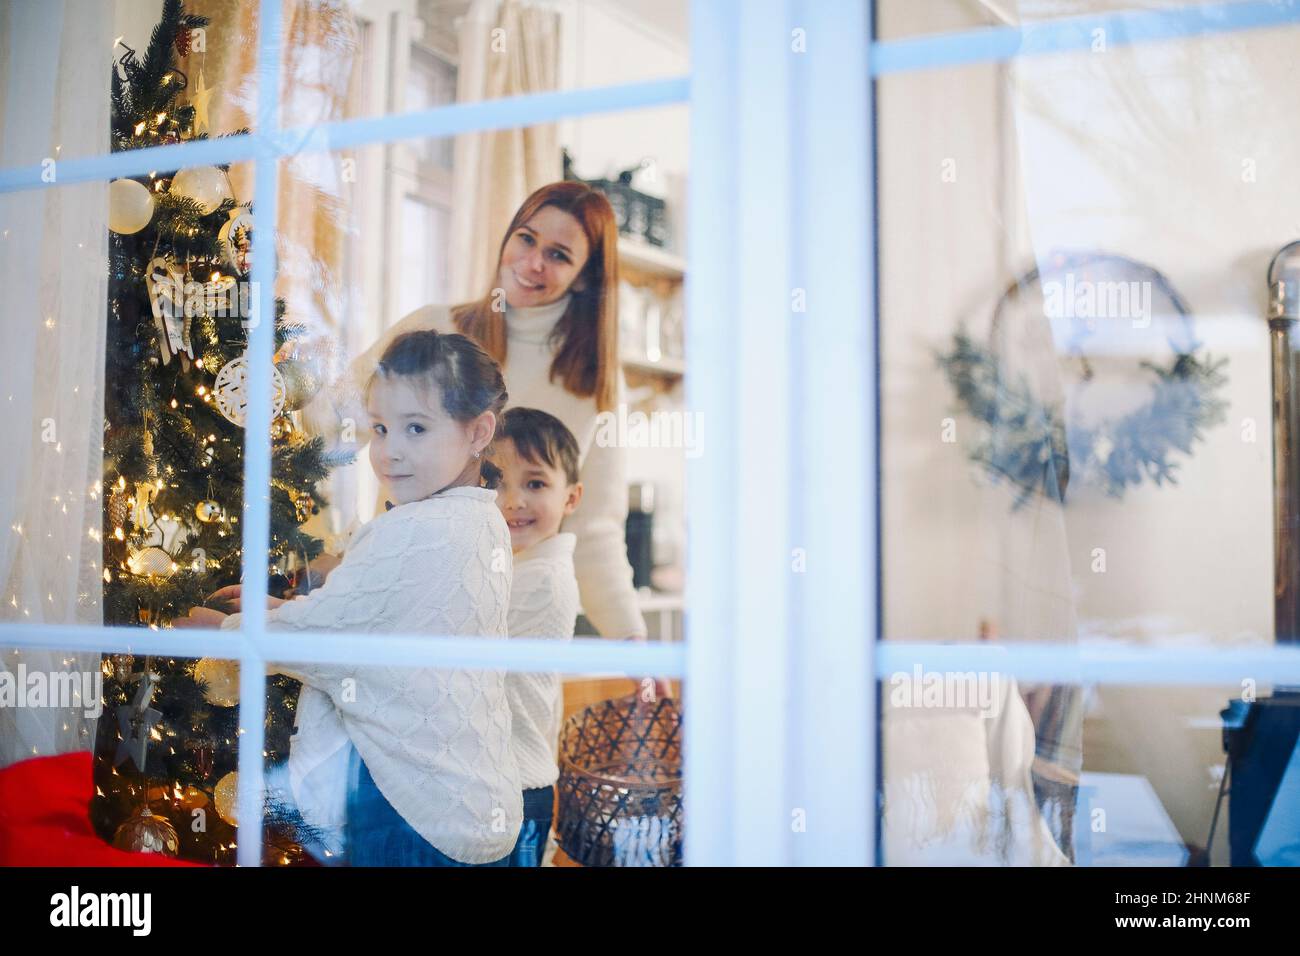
(304, 506)
(146, 832)
(282, 428)
(208, 511)
(224, 797)
(301, 383)
(221, 678)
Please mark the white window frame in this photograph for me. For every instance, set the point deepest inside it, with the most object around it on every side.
(779, 668)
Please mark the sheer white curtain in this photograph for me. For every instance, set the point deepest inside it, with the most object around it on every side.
(53, 270)
(1181, 155)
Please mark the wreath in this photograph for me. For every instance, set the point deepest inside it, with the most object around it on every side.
(1028, 442)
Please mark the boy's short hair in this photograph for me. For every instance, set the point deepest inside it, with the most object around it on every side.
(540, 437)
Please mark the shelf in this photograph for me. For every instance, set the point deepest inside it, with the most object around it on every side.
(666, 366)
(652, 260)
(651, 601)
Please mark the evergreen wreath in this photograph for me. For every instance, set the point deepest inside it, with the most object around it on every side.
(1027, 442)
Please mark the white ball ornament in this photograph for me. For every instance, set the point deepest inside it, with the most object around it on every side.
(231, 390)
(206, 185)
(150, 561)
(130, 206)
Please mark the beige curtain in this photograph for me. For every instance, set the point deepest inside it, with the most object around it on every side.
(507, 48)
(53, 269)
(320, 49)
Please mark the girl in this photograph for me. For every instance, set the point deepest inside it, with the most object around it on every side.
(435, 781)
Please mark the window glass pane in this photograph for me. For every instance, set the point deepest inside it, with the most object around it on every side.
(198, 77)
(175, 309)
(961, 786)
(407, 766)
(432, 82)
(897, 20)
(1077, 425)
(418, 54)
(424, 233)
(579, 772)
(1056, 24)
(180, 305)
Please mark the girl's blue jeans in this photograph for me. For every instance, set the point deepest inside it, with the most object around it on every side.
(379, 836)
(539, 805)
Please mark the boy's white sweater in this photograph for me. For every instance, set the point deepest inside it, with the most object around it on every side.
(436, 740)
(543, 604)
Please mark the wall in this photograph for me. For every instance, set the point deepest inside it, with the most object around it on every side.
(604, 44)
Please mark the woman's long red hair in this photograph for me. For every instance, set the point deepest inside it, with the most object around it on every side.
(587, 334)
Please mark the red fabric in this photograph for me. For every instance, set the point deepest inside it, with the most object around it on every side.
(45, 817)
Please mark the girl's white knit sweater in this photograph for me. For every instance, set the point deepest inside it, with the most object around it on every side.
(436, 740)
(543, 604)
(599, 523)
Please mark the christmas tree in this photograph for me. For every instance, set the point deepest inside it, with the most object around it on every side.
(179, 313)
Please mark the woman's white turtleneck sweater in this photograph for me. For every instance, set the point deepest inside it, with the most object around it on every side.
(600, 556)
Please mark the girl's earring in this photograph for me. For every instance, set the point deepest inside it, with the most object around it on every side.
(477, 454)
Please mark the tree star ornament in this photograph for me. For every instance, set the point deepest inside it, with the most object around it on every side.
(202, 95)
(135, 720)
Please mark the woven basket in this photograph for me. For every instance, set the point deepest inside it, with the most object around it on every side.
(620, 786)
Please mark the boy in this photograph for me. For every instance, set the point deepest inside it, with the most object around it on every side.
(539, 487)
